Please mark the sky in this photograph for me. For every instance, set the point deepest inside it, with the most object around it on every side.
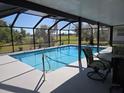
(26, 20)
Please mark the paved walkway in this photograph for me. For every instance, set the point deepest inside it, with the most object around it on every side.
(17, 77)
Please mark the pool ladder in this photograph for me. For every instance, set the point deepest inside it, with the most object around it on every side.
(46, 58)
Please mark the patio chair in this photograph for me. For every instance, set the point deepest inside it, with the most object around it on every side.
(100, 68)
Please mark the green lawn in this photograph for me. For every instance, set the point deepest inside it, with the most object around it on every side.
(6, 49)
(64, 40)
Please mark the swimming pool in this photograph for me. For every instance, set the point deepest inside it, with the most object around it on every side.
(54, 57)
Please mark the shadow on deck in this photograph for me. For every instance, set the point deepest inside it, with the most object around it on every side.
(15, 89)
(80, 83)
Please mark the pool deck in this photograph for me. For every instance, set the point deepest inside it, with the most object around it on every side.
(17, 77)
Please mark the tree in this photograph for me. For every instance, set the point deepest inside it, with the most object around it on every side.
(41, 34)
(5, 36)
(85, 35)
(3, 23)
(16, 35)
(91, 35)
(23, 32)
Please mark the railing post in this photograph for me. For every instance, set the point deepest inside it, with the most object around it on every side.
(48, 38)
(98, 26)
(68, 37)
(79, 44)
(12, 39)
(12, 30)
(60, 37)
(43, 66)
(111, 36)
(34, 39)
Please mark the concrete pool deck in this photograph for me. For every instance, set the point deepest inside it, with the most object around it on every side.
(17, 77)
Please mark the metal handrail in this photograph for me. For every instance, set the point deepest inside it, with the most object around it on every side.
(56, 60)
(48, 64)
(43, 66)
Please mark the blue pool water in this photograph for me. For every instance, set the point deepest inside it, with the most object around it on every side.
(56, 57)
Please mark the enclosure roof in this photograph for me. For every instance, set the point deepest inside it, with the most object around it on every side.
(6, 10)
(104, 11)
(41, 14)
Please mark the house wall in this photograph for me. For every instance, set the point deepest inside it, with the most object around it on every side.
(118, 35)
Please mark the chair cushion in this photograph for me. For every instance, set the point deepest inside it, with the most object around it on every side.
(99, 64)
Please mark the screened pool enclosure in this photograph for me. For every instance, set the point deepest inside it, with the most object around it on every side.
(24, 29)
(27, 31)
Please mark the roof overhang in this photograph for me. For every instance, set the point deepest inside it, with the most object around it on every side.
(106, 12)
(103, 11)
(6, 10)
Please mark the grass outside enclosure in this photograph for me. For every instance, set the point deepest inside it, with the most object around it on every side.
(64, 40)
(74, 40)
(6, 49)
